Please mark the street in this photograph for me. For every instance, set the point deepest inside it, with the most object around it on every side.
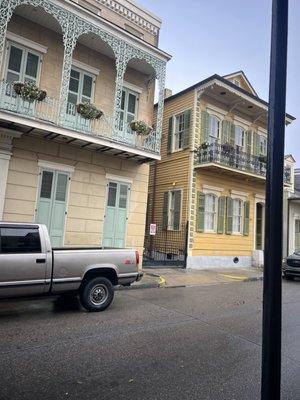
(173, 343)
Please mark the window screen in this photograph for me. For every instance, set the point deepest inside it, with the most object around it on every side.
(20, 240)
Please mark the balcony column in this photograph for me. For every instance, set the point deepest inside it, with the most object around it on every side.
(161, 76)
(70, 36)
(6, 11)
(122, 58)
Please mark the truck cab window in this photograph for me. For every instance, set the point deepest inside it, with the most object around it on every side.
(20, 240)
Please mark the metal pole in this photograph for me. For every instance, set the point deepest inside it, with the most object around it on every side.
(271, 345)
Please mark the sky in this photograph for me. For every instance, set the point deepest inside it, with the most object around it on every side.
(206, 37)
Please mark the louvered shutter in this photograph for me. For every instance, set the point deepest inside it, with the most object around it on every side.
(221, 214)
(204, 127)
(165, 210)
(256, 144)
(170, 136)
(249, 142)
(232, 134)
(229, 215)
(246, 218)
(187, 125)
(200, 212)
(177, 209)
(225, 136)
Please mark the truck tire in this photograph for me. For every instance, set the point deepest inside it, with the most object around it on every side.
(97, 294)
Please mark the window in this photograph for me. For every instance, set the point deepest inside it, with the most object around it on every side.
(210, 212)
(20, 240)
(172, 210)
(263, 145)
(239, 136)
(129, 108)
(179, 131)
(81, 88)
(23, 65)
(237, 216)
(214, 128)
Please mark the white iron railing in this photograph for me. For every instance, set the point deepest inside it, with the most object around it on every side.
(48, 110)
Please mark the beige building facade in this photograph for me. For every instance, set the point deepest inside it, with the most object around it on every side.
(85, 177)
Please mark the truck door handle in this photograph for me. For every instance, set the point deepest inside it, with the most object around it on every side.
(40, 260)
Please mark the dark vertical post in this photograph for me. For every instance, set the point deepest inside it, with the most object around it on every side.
(186, 243)
(271, 348)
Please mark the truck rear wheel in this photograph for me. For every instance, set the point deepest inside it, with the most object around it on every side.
(97, 294)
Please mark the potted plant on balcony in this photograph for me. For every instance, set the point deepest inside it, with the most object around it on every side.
(89, 111)
(29, 91)
(227, 148)
(262, 158)
(204, 145)
(141, 128)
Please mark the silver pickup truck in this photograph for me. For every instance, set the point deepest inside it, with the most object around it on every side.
(30, 266)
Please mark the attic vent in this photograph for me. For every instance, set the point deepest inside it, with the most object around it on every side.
(237, 82)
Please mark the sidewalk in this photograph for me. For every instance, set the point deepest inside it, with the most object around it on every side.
(178, 277)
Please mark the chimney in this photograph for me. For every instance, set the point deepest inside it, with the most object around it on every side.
(168, 93)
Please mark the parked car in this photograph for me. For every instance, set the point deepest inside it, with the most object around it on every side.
(291, 266)
(30, 266)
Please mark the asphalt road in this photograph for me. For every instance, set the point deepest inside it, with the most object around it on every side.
(179, 343)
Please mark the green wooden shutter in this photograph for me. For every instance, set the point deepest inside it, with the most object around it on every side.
(249, 142)
(232, 134)
(246, 218)
(204, 127)
(200, 212)
(177, 209)
(165, 210)
(229, 215)
(221, 214)
(226, 127)
(187, 125)
(170, 136)
(256, 144)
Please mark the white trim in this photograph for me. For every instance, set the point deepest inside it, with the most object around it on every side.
(132, 87)
(206, 189)
(241, 122)
(239, 195)
(218, 112)
(259, 198)
(55, 166)
(26, 42)
(85, 67)
(118, 178)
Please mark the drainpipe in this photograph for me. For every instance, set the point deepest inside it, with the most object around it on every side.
(153, 204)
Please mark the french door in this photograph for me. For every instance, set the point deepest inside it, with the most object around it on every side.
(129, 110)
(52, 204)
(81, 90)
(115, 219)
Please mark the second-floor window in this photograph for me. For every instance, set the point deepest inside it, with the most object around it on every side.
(81, 89)
(239, 137)
(129, 108)
(214, 128)
(22, 65)
(179, 131)
(263, 145)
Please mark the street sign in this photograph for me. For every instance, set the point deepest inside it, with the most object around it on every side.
(152, 229)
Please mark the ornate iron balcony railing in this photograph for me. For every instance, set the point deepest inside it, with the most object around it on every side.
(49, 110)
(233, 157)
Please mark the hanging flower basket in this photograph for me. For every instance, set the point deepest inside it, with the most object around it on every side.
(29, 91)
(89, 111)
(262, 159)
(204, 145)
(141, 128)
(227, 148)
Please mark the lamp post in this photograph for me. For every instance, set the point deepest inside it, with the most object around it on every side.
(272, 294)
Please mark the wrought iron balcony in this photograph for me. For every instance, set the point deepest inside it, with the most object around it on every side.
(48, 110)
(233, 158)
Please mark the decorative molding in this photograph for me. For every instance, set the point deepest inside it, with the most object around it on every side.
(85, 67)
(238, 194)
(139, 19)
(118, 178)
(132, 87)
(26, 42)
(56, 166)
(207, 189)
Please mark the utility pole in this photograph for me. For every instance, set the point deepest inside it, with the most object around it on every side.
(272, 295)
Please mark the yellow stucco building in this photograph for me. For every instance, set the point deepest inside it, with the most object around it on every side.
(207, 193)
(85, 177)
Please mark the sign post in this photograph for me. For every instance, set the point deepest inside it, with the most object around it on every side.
(272, 308)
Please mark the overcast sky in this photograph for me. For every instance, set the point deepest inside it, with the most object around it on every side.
(217, 36)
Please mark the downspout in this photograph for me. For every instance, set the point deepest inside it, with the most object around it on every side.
(153, 203)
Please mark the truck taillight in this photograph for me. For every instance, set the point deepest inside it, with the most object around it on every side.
(137, 257)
